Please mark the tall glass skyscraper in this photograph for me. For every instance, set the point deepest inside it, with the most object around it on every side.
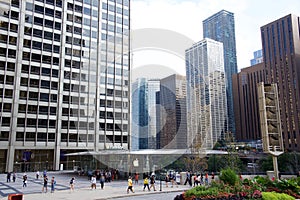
(206, 93)
(144, 110)
(220, 27)
(64, 67)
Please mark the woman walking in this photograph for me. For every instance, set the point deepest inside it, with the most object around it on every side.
(146, 183)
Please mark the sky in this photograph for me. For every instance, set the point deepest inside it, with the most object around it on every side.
(183, 18)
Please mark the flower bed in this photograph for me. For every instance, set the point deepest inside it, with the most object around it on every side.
(257, 188)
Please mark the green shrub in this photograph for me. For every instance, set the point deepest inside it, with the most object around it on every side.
(201, 191)
(228, 176)
(276, 196)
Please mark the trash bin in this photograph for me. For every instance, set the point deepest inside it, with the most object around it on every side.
(15, 197)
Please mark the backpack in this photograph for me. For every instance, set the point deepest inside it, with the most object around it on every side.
(71, 181)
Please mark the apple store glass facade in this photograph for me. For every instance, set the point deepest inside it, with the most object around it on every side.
(64, 67)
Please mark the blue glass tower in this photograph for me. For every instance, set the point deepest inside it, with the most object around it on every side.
(220, 27)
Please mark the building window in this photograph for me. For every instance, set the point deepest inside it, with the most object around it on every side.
(4, 135)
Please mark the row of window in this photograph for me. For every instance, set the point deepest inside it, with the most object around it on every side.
(74, 52)
(8, 52)
(79, 88)
(42, 34)
(38, 96)
(84, 10)
(50, 137)
(40, 123)
(6, 79)
(33, 136)
(41, 46)
(113, 8)
(34, 109)
(11, 39)
(39, 83)
(39, 70)
(91, 125)
(8, 26)
(58, 3)
(73, 63)
(113, 18)
(86, 21)
(11, 14)
(39, 58)
(43, 10)
(43, 22)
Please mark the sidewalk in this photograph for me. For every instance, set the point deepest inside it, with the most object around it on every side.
(109, 192)
(115, 189)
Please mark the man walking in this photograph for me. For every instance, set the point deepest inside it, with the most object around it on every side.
(45, 184)
(152, 182)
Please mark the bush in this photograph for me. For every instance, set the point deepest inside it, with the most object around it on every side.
(201, 191)
(228, 176)
(276, 196)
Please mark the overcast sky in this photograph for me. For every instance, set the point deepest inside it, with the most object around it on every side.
(185, 17)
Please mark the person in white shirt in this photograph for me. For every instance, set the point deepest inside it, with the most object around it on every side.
(93, 181)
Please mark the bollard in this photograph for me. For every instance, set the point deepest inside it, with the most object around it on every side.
(160, 186)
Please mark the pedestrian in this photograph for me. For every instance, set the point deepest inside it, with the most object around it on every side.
(206, 178)
(53, 183)
(24, 180)
(72, 183)
(188, 179)
(136, 178)
(93, 182)
(195, 181)
(130, 185)
(173, 180)
(44, 173)
(212, 176)
(37, 174)
(8, 177)
(102, 180)
(146, 183)
(14, 177)
(45, 188)
(167, 180)
(152, 182)
(199, 179)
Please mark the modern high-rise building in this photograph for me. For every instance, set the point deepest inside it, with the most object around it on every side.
(139, 113)
(153, 89)
(144, 105)
(258, 57)
(64, 73)
(245, 98)
(281, 54)
(172, 116)
(206, 93)
(221, 27)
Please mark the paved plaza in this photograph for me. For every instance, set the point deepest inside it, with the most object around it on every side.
(112, 190)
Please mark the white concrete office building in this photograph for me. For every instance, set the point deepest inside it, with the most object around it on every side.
(64, 80)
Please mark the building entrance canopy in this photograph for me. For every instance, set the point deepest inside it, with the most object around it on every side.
(148, 152)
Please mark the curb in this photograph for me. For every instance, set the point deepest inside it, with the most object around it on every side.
(141, 194)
